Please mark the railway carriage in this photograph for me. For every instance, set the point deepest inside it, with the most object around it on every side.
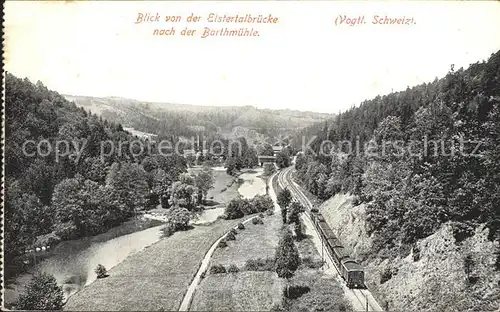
(352, 273)
(339, 253)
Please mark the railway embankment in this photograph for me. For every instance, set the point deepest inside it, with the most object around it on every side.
(434, 276)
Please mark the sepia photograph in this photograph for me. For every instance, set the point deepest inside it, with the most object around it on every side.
(302, 156)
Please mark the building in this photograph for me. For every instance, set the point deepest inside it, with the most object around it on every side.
(265, 159)
(277, 149)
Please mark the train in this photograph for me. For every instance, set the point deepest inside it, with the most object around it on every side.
(351, 271)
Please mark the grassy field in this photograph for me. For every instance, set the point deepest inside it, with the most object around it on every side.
(245, 290)
(325, 294)
(260, 291)
(255, 241)
(154, 278)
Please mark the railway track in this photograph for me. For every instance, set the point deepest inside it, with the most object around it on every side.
(361, 299)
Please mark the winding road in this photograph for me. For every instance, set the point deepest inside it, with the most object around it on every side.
(361, 299)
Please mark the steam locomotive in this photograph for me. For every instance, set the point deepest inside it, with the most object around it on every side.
(349, 269)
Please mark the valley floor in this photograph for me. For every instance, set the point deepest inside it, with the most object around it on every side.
(155, 278)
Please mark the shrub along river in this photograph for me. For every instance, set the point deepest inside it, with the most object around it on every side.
(72, 263)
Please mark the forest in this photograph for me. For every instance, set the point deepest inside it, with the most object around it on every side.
(192, 120)
(430, 177)
(59, 192)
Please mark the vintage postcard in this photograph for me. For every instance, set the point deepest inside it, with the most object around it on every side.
(251, 156)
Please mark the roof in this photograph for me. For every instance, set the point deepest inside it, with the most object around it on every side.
(266, 157)
(340, 252)
(351, 265)
(334, 242)
(326, 230)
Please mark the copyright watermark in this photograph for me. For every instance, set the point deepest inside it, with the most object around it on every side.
(75, 149)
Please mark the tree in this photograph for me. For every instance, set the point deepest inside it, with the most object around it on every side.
(129, 181)
(101, 271)
(269, 169)
(468, 267)
(284, 198)
(233, 209)
(183, 194)
(283, 159)
(265, 150)
(179, 217)
(204, 180)
(287, 257)
(262, 203)
(295, 209)
(42, 293)
(231, 166)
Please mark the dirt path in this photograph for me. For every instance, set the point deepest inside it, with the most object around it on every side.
(188, 297)
(155, 278)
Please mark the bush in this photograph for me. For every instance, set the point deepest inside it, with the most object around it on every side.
(269, 169)
(101, 271)
(241, 226)
(233, 209)
(416, 253)
(262, 203)
(179, 218)
(260, 264)
(261, 215)
(230, 236)
(270, 212)
(308, 262)
(299, 234)
(203, 274)
(217, 269)
(386, 275)
(222, 244)
(295, 291)
(257, 221)
(233, 269)
(42, 293)
(168, 229)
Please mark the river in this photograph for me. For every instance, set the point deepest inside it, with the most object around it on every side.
(253, 184)
(72, 263)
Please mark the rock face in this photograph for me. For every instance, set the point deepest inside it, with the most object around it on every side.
(433, 280)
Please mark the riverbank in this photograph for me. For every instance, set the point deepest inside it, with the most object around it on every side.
(161, 273)
(72, 263)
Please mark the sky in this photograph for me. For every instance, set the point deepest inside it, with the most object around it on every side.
(304, 62)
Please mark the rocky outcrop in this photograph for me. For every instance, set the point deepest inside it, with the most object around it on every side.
(432, 277)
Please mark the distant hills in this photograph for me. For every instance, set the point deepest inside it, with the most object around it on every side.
(188, 120)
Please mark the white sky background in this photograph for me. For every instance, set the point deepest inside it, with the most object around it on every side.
(305, 62)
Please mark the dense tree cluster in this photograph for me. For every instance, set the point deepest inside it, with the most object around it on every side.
(283, 158)
(412, 157)
(98, 180)
(239, 155)
(239, 207)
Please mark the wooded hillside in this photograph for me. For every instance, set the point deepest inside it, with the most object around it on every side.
(429, 171)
